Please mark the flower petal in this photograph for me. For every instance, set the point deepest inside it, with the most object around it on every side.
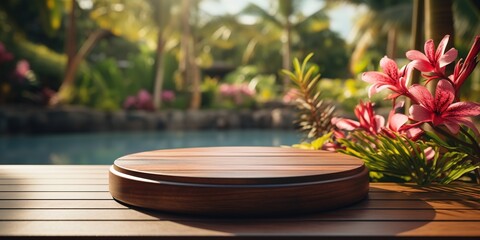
(347, 124)
(453, 127)
(389, 67)
(422, 95)
(441, 47)
(420, 113)
(468, 122)
(376, 77)
(447, 58)
(463, 109)
(429, 153)
(416, 55)
(422, 66)
(396, 121)
(414, 133)
(444, 95)
(430, 50)
(379, 123)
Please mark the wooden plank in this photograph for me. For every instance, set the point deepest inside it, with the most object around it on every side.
(172, 229)
(106, 195)
(370, 204)
(57, 181)
(454, 187)
(54, 176)
(56, 195)
(417, 204)
(54, 167)
(423, 195)
(61, 204)
(83, 207)
(55, 188)
(338, 215)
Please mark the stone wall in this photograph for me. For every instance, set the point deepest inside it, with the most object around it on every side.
(31, 120)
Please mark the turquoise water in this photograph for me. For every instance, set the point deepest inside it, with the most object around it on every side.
(104, 148)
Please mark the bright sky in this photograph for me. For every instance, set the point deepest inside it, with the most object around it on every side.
(341, 18)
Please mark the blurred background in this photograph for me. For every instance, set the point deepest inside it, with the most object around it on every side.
(118, 57)
(154, 54)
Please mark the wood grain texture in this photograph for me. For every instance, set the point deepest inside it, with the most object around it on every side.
(238, 181)
(45, 208)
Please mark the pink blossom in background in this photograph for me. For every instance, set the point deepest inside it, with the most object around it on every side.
(226, 90)
(144, 100)
(167, 96)
(22, 69)
(290, 96)
(5, 56)
(246, 90)
(130, 102)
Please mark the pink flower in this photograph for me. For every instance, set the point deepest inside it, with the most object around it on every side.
(464, 69)
(291, 95)
(433, 61)
(391, 78)
(441, 110)
(129, 102)
(226, 90)
(429, 153)
(5, 56)
(22, 69)
(144, 100)
(167, 96)
(246, 90)
(397, 123)
(368, 121)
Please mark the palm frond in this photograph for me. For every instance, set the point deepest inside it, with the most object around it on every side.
(314, 114)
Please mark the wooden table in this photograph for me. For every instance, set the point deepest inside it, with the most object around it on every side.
(73, 202)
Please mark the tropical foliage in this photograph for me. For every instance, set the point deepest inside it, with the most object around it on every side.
(436, 142)
(315, 115)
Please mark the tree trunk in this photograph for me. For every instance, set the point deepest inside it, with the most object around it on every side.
(71, 34)
(286, 45)
(439, 22)
(159, 73)
(392, 43)
(185, 45)
(417, 40)
(64, 92)
(188, 67)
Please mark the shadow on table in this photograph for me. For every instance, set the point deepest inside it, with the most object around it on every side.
(384, 213)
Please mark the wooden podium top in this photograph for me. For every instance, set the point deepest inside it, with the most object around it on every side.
(239, 165)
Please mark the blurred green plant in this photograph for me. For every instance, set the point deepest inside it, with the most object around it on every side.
(106, 86)
(314, 115)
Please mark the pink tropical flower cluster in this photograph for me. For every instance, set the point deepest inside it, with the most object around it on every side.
(167, 96)
(443, 108)
(237, 92)
(142, 101)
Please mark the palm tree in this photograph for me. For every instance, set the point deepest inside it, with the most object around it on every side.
(384, 21)
(283, 18)
(163, 10)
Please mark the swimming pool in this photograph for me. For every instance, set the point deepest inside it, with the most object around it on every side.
(104, 148)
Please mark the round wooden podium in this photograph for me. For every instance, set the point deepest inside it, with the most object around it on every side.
(238, 181)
